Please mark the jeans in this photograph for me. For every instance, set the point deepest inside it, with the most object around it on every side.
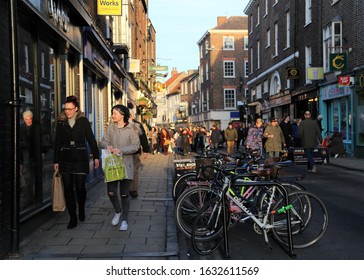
(112, 190)
(309, 155)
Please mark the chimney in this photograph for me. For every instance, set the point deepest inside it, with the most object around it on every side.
(174, 71)
(221, 20)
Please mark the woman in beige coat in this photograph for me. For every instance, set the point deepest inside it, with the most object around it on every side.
(121, 138)
(275, 138)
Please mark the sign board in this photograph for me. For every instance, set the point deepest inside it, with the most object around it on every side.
(157, 68)
(134, 66)
(343, 80)
(338, 62)
(182, 166)
(109, 7)
(315, 73)
(320, 155)
(292, 73)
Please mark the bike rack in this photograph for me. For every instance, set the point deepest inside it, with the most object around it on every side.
(288, 250)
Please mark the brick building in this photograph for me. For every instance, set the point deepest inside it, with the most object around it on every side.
(292, 49)
(222, 65)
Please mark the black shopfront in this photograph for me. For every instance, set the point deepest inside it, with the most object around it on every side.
(47, 50)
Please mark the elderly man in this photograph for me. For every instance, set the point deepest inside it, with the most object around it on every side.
(310, 135)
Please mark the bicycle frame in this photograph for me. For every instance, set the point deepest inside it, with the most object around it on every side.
(262, 224)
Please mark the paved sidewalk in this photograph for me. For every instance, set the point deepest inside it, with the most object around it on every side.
(152, 232)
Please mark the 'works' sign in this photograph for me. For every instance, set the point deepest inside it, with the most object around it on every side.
(109, 7)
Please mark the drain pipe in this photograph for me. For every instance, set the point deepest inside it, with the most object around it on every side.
(15, 104)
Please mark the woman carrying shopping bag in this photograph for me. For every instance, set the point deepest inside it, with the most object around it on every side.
(121, 138)
(71, 158)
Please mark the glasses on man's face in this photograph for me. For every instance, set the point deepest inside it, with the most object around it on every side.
(69, 109)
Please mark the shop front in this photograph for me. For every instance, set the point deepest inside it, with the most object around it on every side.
(306, 100)
(336, 103)
(280, 106)
(49, 48)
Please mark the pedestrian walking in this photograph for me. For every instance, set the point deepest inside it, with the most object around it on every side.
(71, 158)
(241, 136)
(231, 135)
(165, 140)
(296, 139)
(255, 135)
(122, 138)
(275, 138)
(143, 149)
(287, 130)
(153, 140)
(310, 135)
(215, 137)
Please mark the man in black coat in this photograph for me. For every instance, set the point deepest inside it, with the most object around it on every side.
(310, 135)
(287, 130)
(145, 148)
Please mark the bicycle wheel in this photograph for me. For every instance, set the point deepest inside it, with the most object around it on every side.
(207, 229)
(188, 205)
(308, 215)
(180, 185)
(264, 194)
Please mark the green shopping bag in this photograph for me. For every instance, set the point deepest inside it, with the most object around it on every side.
(114, 168)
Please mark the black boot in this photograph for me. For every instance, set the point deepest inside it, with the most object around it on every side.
(81, 200)
(73, 222)
(81, 213)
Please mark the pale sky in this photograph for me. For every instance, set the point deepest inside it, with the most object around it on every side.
(180, 24)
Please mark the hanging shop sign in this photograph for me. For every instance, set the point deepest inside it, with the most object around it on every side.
(292, 73)
(157, 68)
(109, 7)
(315, 73)
(361, 80)
(344, 80)
(338, 62)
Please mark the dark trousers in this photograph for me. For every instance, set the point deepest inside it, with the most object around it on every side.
(74, 186)
(112, 191)
(309, 156)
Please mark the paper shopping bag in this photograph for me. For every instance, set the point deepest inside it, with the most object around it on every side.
(59, 203)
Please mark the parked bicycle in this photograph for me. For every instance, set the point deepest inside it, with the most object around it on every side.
(296, 219)
(193, 199)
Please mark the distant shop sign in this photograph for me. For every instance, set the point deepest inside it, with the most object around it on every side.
(157, 68)
(109, 7)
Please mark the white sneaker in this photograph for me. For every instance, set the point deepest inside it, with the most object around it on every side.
(115, 221)
(336, 155)
(124, 225)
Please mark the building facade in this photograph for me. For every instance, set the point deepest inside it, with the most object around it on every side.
(56, 49)
(222, 65)
(307, 55)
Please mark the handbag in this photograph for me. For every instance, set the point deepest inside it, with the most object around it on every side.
(59, 203)
(114, 168)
